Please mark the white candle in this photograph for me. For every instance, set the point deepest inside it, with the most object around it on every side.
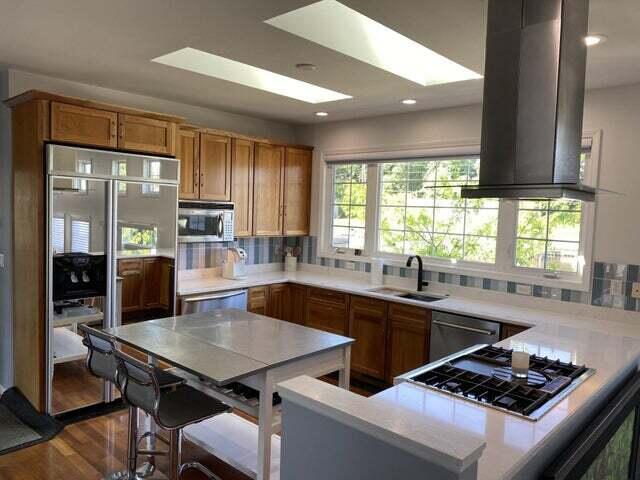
(520, 363)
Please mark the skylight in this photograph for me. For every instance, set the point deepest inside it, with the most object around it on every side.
(340, 28)
(225, 69)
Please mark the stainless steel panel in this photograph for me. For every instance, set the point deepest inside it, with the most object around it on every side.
(208, 303)
(452, 333)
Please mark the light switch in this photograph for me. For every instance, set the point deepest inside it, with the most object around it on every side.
(1, 260)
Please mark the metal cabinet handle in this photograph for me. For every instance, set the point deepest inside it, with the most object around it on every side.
(463, 327)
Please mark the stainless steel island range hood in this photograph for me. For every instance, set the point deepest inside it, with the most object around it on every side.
(533, 100)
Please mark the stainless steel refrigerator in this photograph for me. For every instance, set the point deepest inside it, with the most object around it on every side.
(102, 206)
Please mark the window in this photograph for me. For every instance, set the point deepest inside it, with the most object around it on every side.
(134, 237)
(548, 233)
(349, 206)
(393, 208)
(80, 234)
(57, 234)
(120, 169)
(82, 166)
(151, 171)
(421, 211)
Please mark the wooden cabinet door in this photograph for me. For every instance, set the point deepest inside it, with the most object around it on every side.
(330, 317)
(408, 339)
(152, 287)
(242, 186)
(189, 156)
(132, 273)
(297, 304)
(278, 303)
(148, 135)
(368, 325)
(508, 330)
(297, 191)
(215, 167)
(85, 126)
(257, 301)
(267, 190)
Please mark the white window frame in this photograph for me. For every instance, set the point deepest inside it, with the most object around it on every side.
(151, 189)
(504, 267)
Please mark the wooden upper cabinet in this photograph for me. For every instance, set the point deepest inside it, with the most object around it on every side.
(297, 191)
(148, 135)
(189, 156)
(215, 167)
(368, 325)
(267, 190)
(407, 339)
(242, 185)
(85, 126)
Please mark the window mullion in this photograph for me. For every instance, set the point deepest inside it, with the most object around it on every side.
(372, 210)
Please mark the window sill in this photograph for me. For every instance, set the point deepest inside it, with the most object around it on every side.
(472, 271)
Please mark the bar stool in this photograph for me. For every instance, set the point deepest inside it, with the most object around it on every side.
(102, 363)
(171, 409)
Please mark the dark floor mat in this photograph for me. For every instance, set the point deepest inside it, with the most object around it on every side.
(21, 425)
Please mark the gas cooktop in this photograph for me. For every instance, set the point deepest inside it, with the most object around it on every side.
(482, 374)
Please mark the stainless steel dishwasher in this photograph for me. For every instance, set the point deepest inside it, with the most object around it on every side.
(452, 333)
(214, 301)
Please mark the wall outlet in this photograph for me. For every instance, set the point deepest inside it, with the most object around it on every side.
(635, 290)
(522, 289)
(350, 265)
(617, 288)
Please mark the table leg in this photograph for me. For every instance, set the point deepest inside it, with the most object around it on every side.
(344, 374)
(265, 421)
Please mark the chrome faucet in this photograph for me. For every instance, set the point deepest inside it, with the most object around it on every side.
(421, 283)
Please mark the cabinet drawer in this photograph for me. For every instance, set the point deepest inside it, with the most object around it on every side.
(417, 317)
(328, 295)
(134, 264)
(326, 316)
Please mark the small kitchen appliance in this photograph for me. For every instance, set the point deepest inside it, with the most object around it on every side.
(482, 374)
(235, 265)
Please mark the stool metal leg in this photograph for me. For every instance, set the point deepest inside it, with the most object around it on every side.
(175, 453)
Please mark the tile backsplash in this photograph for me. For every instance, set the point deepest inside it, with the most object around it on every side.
(611, 283)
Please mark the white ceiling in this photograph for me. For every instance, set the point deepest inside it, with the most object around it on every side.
(111, 44)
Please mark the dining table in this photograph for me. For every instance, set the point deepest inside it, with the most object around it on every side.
(217, 351)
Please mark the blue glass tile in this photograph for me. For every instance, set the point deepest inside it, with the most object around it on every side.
(486, 283)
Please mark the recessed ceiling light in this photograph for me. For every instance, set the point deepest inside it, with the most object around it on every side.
(226, 69)
(340, 28)
(321, 114)
(409, 101)
(594, 39)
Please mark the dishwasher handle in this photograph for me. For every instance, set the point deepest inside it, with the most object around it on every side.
(214, 297)
(464, 327)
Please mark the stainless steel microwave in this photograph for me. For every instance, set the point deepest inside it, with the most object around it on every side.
(205, 222)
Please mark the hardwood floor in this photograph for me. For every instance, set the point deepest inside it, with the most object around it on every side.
(74, 386)
(91, 449)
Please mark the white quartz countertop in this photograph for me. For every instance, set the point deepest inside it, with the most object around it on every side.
(610, 347)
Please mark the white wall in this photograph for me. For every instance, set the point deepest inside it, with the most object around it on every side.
(6, 356)
(615, 111)
(20, 81)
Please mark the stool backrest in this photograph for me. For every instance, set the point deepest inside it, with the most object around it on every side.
(100, 361)
(138, 383)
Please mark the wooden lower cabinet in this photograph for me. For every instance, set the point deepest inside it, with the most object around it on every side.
(407, 339)
(508, 330)
(368, 326)
(297, 304)
(278, 303)
(132, 273)
(147, 283)
(327, 310)
(258, 298)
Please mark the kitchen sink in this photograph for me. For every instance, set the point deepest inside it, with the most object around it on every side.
(420, 297)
